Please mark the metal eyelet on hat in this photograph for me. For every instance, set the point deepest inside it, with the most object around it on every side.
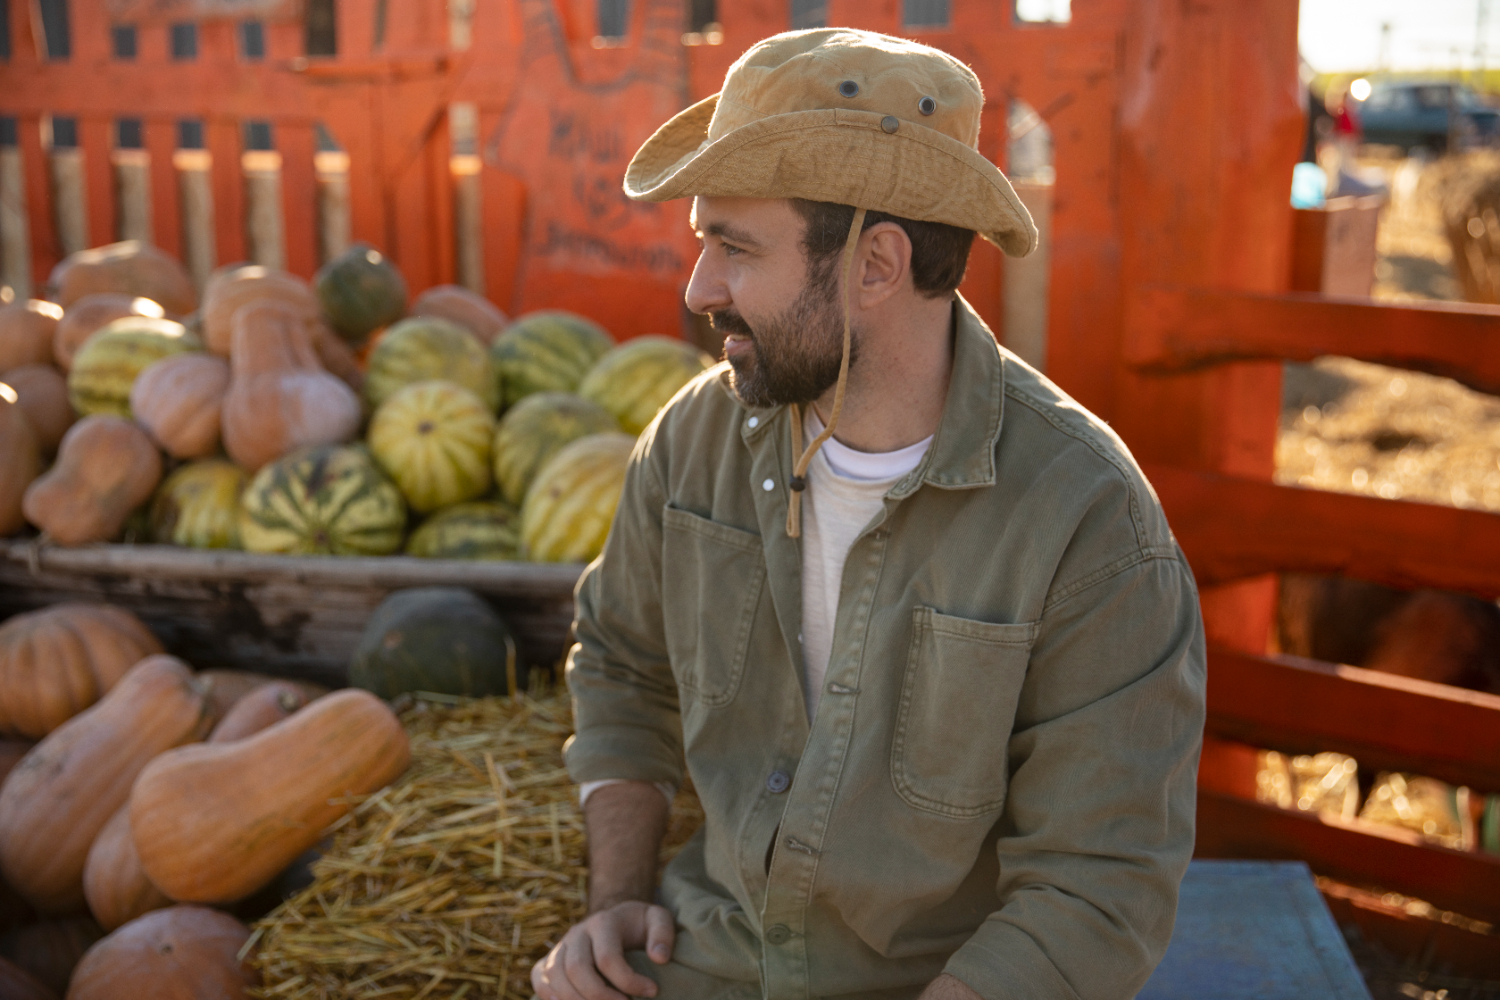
(890, 123)
(927, 105)
(849, 88)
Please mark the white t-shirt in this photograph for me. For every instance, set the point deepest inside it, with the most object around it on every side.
(845, 490)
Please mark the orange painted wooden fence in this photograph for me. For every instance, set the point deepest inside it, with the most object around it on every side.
(1175, 128)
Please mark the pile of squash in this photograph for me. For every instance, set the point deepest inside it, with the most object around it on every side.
(282, 416)
(153, 798)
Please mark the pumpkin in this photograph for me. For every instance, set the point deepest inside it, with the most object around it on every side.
(228, 293)
(62, 793)
(89, 315)
(198, 505)
(360, 291)
(469, 310)
(480, 529)
(113, 883)
(106, 366)
(546, 351)
(106, 467)
(56, 662)
(422, 349)
(131, 267)
(216, 821)
(227, 687)
(18, 984)
(571, 504)
(20, 460)
(26, 330)
(43, 394)
(323, 501)
(11, 752)
(50, 950)
(262, 707)
(179, 953)
(433, 439)
(280, 397)
(537, 428)
(441, 639)
(337, 356)
(178, 401)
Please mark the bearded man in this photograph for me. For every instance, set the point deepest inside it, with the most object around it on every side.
(911, 617)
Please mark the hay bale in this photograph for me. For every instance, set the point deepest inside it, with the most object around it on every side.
(1469, 191)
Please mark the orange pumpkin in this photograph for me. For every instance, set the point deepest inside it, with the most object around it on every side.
(106, 467)
(263, 707)
(26, 330)
(280, 396)
(50, 950)
(180, 953)
(116, 888)
(91, 314)
(178, 401)
(43, 394)
(56, 662)
(131, 267)
(226, 688)
(18, 984)
(65, 790)
(227, 293)
(457, 304)
(217, 821)
(20, 460)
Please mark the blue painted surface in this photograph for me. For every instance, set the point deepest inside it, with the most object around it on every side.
(1254, 930)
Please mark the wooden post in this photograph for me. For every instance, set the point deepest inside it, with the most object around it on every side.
(15, 240)
(299, 196)
(265, 238)
(198, 236)
(333, 204)
(96, 141)
(70, 195)
(1026, 282)
(468, 231)
(166, 197)
(133, 194)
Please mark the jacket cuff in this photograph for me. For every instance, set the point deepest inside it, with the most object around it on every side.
(630, 753)
(1003, 962)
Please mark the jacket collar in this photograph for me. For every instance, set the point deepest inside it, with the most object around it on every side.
(962, 455)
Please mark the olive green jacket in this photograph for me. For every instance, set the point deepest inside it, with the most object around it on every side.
(999, 778)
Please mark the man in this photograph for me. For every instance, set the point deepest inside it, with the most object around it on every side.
(911, 616)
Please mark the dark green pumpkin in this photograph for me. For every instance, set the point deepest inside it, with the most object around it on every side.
(440, 639)
(360, 291)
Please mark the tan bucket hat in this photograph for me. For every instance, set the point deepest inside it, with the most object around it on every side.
(844, 116)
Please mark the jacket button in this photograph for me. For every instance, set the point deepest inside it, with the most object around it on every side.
(778, 782)
(778, 934)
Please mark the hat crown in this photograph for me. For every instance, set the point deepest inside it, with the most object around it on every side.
(848, 69)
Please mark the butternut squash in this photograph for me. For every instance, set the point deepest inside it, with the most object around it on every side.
(180, 953)
(130, 267)
(178, 401)
(64, 791)
(106, 467)
(56, 662)
(26, 330)
(43, 394)
(227, 293)
(280, 396)
(20, 460)
(91, 314)
(116, 888)
(226, 687)
(215, 822)
(263, 707)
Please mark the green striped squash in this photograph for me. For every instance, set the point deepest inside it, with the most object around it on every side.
(548, 350)
(424, 348)
(433, 438)
(324, 500)
(537, 428)
(107, 364)
(571, 504)
(199, 506)
(480, 529)
(637, 378)
(360, 291)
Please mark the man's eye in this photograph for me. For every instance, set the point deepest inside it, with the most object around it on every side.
(730, 250)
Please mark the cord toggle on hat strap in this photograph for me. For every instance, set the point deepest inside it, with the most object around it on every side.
(799, 471)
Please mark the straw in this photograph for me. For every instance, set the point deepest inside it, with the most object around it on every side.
(454, 880)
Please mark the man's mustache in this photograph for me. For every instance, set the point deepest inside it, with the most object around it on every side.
(729, 321)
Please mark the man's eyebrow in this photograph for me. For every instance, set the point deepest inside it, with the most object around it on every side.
(725, 231)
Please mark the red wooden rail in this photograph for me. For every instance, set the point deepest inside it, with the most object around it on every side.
(1177, 329)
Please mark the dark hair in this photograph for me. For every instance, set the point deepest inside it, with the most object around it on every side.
(939, 252)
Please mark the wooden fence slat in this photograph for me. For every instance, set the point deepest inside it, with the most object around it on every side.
(1176, 329)
(1384, 721)
(1233, 528)
(224, 144)
(160, 140)
(46, 250)
(297, 144)
(96, 137)
(1462, 881)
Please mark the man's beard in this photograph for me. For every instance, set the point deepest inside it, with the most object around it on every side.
(795, 356)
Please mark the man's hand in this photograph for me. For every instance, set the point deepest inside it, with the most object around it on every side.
(944, 987)
(591, 956)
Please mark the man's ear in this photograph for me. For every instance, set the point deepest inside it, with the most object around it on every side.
(883, 264)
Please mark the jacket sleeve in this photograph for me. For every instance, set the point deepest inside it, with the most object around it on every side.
(624, 697)
(1098, 824)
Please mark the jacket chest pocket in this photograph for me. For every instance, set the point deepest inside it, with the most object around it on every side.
(958, 705)
(712, 579)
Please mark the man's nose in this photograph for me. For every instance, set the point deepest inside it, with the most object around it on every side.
(706, 292)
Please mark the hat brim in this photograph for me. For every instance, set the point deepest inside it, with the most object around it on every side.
(834, 155)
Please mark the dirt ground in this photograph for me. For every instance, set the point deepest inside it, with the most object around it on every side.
(1353, 427)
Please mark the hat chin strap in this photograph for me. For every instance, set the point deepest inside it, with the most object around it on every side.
(799, 471)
